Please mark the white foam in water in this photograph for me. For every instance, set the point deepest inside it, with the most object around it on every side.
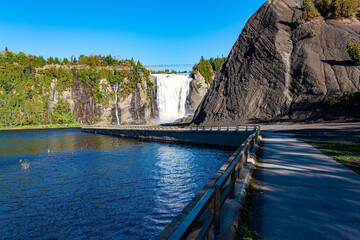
(172, 90)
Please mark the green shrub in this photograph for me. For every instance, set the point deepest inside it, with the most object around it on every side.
(347, 98)
(345, 8)
(312, 33)
(333, 101)
(353, 49)
(330, 8)
(324, 6)
(310, 10)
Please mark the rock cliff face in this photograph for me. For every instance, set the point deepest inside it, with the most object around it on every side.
(136, 108)
(279, 70)
(198, 89)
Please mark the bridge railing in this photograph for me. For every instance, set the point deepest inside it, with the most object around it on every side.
(207, 211)
(180, 128)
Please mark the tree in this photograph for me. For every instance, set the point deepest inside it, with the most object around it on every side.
(56, 60)
(50, 60)
(325, 7)
(345, 8)
(353, 49)
(310, 10)
(337, 8)
(66, 61)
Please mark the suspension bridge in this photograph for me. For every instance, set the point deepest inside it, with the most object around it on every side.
(168, 65)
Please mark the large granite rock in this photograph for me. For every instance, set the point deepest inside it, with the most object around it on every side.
(278, 70)
(197, 91)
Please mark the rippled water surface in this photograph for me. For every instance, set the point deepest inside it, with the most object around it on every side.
(65, 184)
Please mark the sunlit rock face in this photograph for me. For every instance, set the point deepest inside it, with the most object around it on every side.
(278, 71)
(197, 91)
(138, 107)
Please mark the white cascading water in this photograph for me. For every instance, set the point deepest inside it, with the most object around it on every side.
(172, 90)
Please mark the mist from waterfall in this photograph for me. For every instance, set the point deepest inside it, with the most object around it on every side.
(172, 90)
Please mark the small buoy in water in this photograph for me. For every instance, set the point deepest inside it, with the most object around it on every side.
(20, 161)
(48, 150)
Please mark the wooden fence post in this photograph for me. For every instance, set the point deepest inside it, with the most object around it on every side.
(232, 187)
(217, 209)
(241, 171)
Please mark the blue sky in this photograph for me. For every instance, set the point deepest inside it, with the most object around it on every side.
(154, 32)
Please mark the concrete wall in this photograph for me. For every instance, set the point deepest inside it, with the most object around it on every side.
(224, 138)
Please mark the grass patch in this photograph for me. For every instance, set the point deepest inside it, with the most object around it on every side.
(345, 152)
(245, 231)
(65, 125)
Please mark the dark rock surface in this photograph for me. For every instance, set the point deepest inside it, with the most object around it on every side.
(279, 71)
(85, 110)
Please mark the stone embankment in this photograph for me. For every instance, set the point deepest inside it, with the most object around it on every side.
(225, 136)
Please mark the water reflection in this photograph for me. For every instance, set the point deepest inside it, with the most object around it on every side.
(37, 141)
(174, 177)
(73, 185)
(181, 174)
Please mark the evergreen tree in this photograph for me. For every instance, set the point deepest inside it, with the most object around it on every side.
(50, 60)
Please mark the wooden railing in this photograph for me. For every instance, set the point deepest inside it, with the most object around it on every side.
(208, 208)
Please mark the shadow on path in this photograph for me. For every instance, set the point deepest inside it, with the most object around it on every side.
(307, 195)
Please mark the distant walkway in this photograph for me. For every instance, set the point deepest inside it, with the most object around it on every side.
(349, 131)
(307, 195)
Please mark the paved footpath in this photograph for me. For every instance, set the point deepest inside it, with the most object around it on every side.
(307, 195)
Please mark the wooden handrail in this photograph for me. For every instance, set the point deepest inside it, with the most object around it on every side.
(186, 226)
(215, 196)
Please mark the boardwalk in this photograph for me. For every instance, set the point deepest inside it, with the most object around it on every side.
(307, 195)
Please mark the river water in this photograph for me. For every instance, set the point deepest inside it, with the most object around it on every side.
(65, 184)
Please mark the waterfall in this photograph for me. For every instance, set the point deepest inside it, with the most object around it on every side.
(116, 88)
(172, 90)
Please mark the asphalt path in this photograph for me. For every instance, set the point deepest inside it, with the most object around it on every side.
(319, 131)
(306, 194)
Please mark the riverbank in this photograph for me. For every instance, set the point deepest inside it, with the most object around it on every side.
(47, 126)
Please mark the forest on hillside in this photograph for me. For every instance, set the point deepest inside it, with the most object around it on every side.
(35, 90)
(27, 82)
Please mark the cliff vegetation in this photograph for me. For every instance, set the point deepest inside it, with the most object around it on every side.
(208, 68)
(331, 8)
(38, 91)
